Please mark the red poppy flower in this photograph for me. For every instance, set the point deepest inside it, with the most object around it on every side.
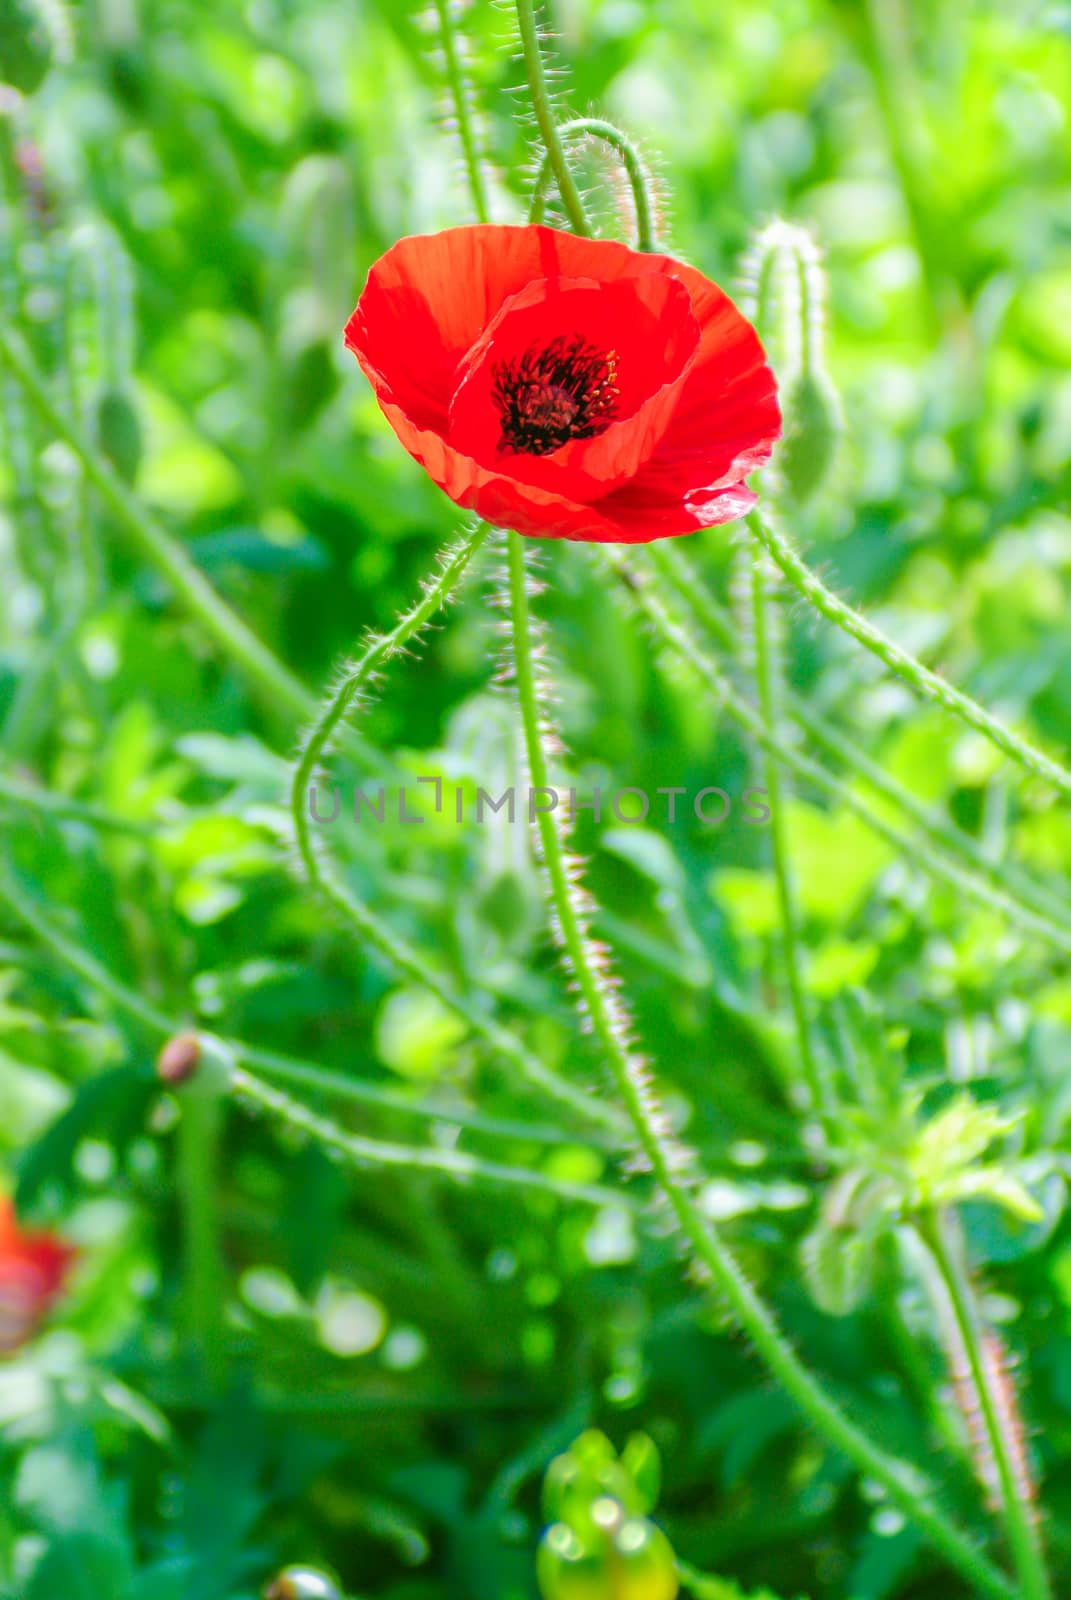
(568, 388)
(33, 1270)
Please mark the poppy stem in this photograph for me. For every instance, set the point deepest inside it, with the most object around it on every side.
(992, 883)
(152, 541)
(1013, 1493)
(317, 873)
(631, 160)
(904, 1485)
(767, 677)
(926, 684)
(549, 131)
(459, 94)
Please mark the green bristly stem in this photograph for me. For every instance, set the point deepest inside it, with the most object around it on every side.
(926, 684)
(546, 121)
(631, 160)
(319, 875)
(456, 1164)
(155, 545)
(1013, 893)
(904, 1487)
(723, 693)
(455, 77)
(767, 675)
(1020, 1524)
(283, 1068)
(198, 1172)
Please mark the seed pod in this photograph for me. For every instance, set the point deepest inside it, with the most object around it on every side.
(179, 1059)
(119, 431)
(27, 44)
(302, 1583)
(812, 425)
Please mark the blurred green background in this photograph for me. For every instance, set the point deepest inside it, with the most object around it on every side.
(193, 197)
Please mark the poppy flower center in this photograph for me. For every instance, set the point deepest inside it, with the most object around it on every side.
(552, 393)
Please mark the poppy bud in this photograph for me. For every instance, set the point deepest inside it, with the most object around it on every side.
(179, 1059)
(119, 432)
(27, 44)
(812, 426)
(302, 1583)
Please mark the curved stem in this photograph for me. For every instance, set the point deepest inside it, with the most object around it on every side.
(631, 160)
(767, 678)
(455, 78)
(283, 1068)
(155, 544)
(926, 684)
(1014, 892)
(318, 874)
(1020, 1523)
(544, 114)
(902, 1484)
(722, 692)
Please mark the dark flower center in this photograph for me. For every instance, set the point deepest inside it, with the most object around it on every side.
(553, 393)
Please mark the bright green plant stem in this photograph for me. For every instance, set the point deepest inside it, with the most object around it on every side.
(676, 635)
(459, 95)
(155, 545)
(321, 877)
(926, 684)
(547, 122)
(767, 676)
(631, 161)
(1013, 892)
(1020, 1523)
(198, 1172)
(904, 1487)
(269, 1063)
(459, 1165)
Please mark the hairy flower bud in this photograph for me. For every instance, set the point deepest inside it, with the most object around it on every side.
(812, 426)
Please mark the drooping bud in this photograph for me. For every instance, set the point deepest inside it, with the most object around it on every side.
(302, 1583)
(786, 293)
(179, 1059)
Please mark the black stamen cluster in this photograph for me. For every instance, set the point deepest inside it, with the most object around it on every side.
(553, 393)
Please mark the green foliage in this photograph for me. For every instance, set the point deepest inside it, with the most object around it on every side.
(270, 1366)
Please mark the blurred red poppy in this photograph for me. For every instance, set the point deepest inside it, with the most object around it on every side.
(568, 388)
(33, 1271)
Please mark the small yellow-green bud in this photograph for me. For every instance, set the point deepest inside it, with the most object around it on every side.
(812, 426)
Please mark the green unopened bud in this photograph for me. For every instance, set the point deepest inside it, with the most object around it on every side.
(567, 1570)
(812, 426)
(27, 43)
(119, 431)
(302, 1583)
(646, 1568)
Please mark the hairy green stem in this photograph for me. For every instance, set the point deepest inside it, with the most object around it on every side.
(152, 541)
(459, 94)
(546, 120)
(678, 639)
(459, 1165)
(198, 1171)
(320, 876)
(926, 684)
(767, 675)
(902, 1484)
(1020, 1524)
(1013, 892)
(631, 160)
(270, 1063)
